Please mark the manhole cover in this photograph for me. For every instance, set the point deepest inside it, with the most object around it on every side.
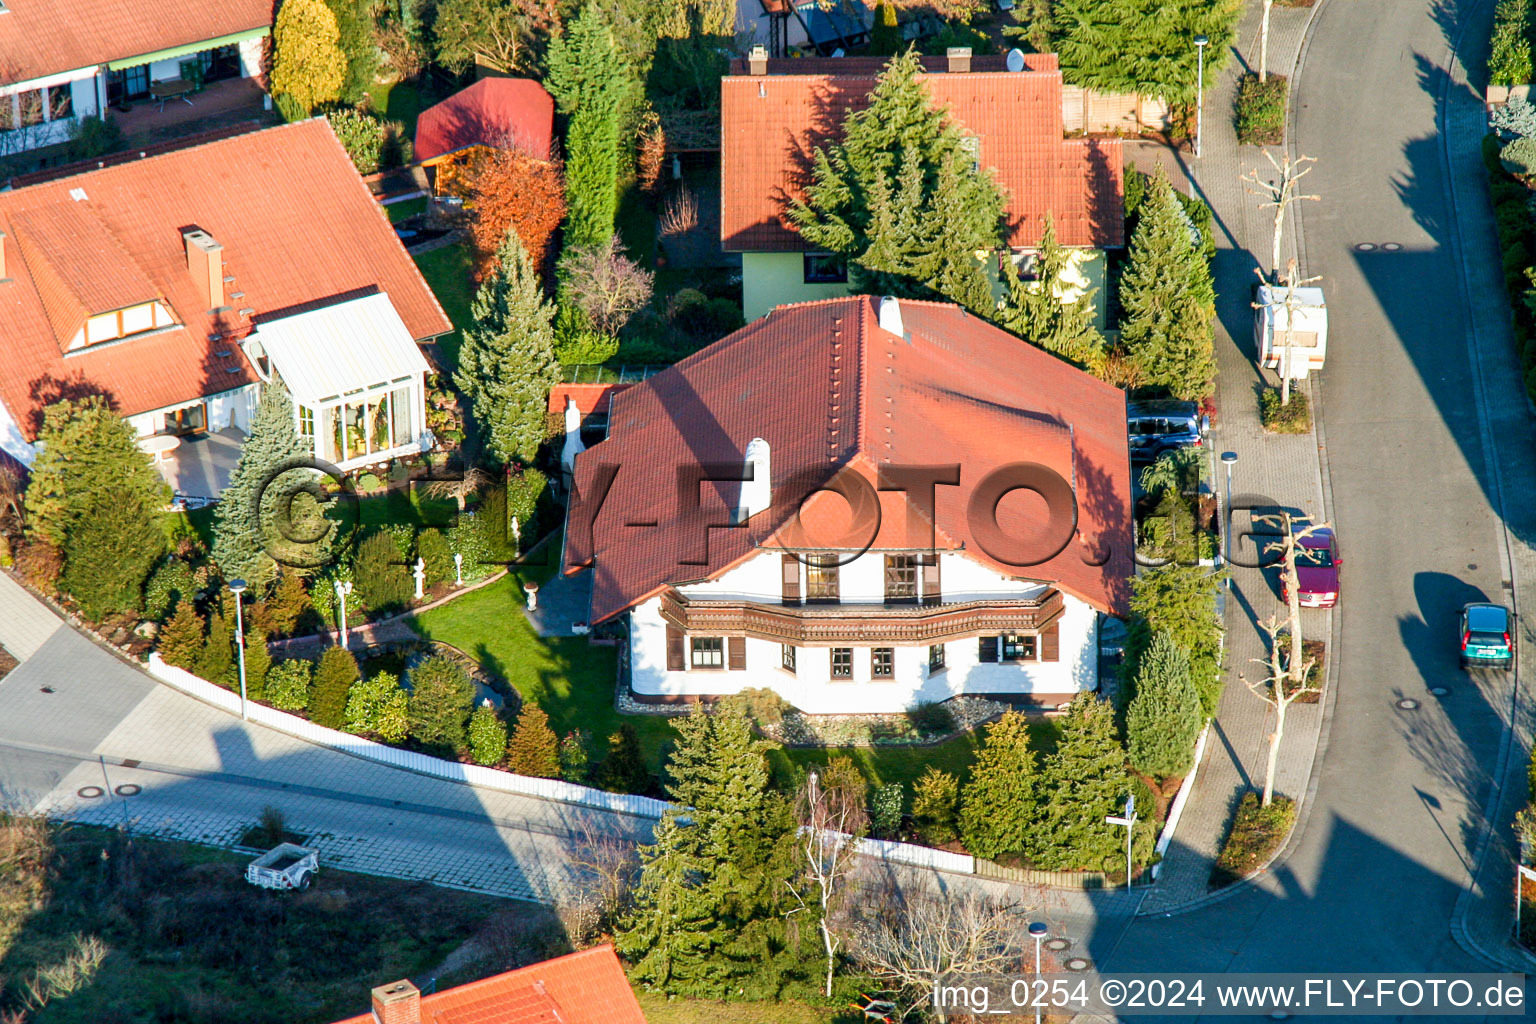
(1471, 565)
(1058, 944)
(1408, 704)
(1391, 247)
(1076, 964)
(128, 789)
(90, 792)
(1438, 691)
(1365, 247)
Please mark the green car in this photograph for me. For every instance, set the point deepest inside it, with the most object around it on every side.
(1485, 636)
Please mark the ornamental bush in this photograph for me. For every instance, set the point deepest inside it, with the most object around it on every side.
(1260, 117)
(380, 575)
(378, 705)
(433, 548)
(935, 804)
(171, 581)
(487, 736)
(1509, 59)
(1295, 417)
(885, 811)
(1520, 156)
(334, 677)
(1515, 119)
(441, 697)
(534, 749)
(288, 684)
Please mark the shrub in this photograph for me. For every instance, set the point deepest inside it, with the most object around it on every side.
(381, 577)
(1294, 417)
(1260, 119)
(441, 697)
(534, 750)
(371, 142)
(216, 663)
(760, 704)
(91, 137)
(258, 662)
(334, 677)
(524, 489)
(435, 551)
(180, 642)
(288, 604)
(288, 684)
(624, 770)
(1519, 157)
(1515, 119)
(1509, 60)
(378, 705)
(574, 759)
(1257, 832)
(171, 581)
(487, 736)
(931, 717)
(935, 803)
(467, 537)
(40, 563)
(885, 810)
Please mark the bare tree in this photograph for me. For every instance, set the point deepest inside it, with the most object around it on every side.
(832, 821)
(471, 481)
(680, 214)
(1264, 41)
(606, 285)
(610, 863)
(1280, 194)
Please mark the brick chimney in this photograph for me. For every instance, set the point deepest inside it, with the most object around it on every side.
(757, 61)
(399, 1002)
(205, 261)
(959, 59)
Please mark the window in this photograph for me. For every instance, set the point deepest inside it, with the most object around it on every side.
(900, 579)
(821, 578)
(825, 268)
(306, 422)
(936, 658)
(882, 662)
(187, 421)
(787, 657)
(707, 652)
(1017, 648)
(970, 145)
(842, 663)
(60, 102)
(31, 107)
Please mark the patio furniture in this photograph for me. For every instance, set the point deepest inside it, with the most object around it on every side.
(171, 89)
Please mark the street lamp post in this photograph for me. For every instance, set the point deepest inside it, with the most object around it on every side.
(343, 588)
(1129, 821)
(1228, 459)
(1200, 44)
(1037, 931)
(237, 587)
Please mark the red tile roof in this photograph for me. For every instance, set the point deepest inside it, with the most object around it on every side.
(583, 988)
(492, 112)
(771, 125)
(44, 37)
(589, 398)
(828, 388)
(297, 226)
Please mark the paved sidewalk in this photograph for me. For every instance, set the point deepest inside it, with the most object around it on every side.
(1271, 470)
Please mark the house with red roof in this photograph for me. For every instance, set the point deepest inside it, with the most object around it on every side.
(65, 60)
(588, 987)
(861, 504)
(493, 113)
(179, 283)
(775, 113)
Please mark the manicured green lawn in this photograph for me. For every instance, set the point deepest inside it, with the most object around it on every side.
(404, 210)
(447, 271)
(401, 102)
(401, 505)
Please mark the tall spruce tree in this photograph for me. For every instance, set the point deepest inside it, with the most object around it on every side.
(109, 553)
(592, 81)
(710, 909)
(507, 364)
(1037, 311)
(899, 195)
(534, 748)
(1168, 298)
(243, 521)
(1163, 719)
(1083, 781)
(998, 804)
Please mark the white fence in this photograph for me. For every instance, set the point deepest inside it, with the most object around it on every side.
(1177, 810)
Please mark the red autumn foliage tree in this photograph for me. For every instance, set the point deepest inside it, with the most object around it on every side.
(512, 190)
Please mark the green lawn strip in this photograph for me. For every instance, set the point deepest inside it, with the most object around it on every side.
(405, 210)
(401, 504)
(186, 933)
(401, 101)
(660, 1009)
(447, 272)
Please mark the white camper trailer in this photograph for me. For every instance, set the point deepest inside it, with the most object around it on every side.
(1290, 328)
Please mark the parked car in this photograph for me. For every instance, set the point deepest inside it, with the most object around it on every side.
(1485, 636)
(1317, 570)
(1158, 427)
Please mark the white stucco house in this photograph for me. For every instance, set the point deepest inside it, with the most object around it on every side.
(179, 283)
(933, 508)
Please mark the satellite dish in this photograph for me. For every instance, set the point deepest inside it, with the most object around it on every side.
(1015, 60)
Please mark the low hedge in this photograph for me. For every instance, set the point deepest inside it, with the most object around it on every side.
(1517, 244)
(1260, 114)
(1294, 417)
(1257, 833)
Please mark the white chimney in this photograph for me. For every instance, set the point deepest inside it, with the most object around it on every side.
(573, 443)
(757, 60)
(959, 58)
(757, 490)
(890, 316)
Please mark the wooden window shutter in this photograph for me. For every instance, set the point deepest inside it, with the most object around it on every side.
(988, 651)
(1050, 643)
(790, 570)
(676, 661)
(932, 593)
(736, 647)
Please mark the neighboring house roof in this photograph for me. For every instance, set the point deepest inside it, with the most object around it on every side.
(298, 230)
(589, 398)
(828, 388)
(588, 987)
(323, 353)
(44, 37)
(771, 125)
(512, 113)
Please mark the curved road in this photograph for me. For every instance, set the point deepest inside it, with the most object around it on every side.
(1427, 440)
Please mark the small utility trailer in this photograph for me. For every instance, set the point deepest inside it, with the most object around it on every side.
(287, 866)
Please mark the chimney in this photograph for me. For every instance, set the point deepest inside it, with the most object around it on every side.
(574, 445)
(205, 259)
(757, 492)
(399, 1002)
(757, 60)
(959, 59)
(890, 316)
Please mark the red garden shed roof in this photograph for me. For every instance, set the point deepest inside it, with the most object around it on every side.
(511, 113)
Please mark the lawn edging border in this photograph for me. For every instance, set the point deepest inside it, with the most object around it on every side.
(409, 760)
(1165, 839)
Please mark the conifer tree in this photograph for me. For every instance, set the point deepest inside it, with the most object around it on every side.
(898, 195)
(1178, 599)
(180, 641)
(333, 681)
(258, 662)
(243, 519)
(1037, 312)
(998, 803)
(534, 748)
(487, 736)
(623, 770)
(1168, 298)
(442, 696)
(109, 553)
(1082, 782)
(308, 65)
(507, 364)
(592, 81)
(217, 662)
(1163, 719)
